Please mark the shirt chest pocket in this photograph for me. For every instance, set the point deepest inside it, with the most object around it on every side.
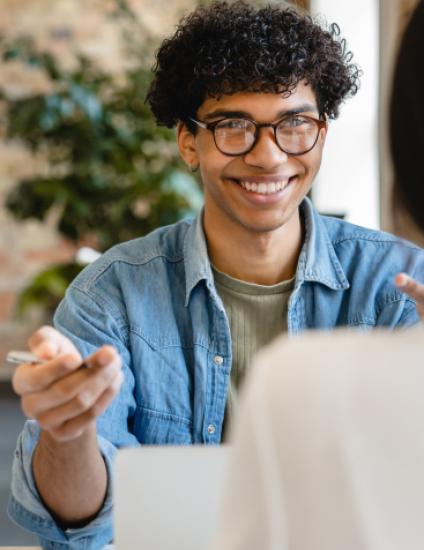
(164, 393)
(160, 428)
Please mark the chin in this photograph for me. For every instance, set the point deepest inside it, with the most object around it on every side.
(265, 226)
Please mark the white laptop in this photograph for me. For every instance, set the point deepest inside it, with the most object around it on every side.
(167, 498)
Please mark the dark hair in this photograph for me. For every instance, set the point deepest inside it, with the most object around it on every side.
(227, 48)
(407, 120)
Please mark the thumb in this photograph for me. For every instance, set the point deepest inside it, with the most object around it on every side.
(47, 343)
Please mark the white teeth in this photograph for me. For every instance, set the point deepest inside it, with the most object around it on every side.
(264, 188)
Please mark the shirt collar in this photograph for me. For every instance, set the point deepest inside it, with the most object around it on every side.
(317, 260)
(196, 258)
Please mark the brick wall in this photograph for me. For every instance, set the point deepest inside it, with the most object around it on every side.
(60, 26)
(25, 249)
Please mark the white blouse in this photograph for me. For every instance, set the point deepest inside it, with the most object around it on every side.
(329, 446)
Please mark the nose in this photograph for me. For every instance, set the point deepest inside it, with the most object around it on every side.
(266, 154)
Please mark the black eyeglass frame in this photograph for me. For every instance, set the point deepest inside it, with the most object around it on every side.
(211, 127)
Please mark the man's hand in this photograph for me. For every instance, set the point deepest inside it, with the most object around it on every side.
(64, 398)
(415, 290)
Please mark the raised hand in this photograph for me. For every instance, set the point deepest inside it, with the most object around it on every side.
(414, 289)
(64, 394)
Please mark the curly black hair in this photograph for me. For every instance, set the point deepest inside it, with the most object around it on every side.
(227, 48)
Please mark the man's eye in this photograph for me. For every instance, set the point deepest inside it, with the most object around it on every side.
(294, 122)
(233, 124)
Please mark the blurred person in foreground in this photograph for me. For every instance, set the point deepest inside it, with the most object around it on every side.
(329, 440)
(168, 322)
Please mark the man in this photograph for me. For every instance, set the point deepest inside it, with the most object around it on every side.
(251, 92)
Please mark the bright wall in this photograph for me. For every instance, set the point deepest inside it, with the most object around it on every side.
(348, 182)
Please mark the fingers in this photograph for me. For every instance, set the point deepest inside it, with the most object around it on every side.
(76, 389)
(34, 378)
(102, 357)
(83, 403)
(47, 342)
(64, 395)
(410, 286)
(74, 427)
(414, 289)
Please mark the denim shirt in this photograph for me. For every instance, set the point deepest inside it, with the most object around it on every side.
(154, 299)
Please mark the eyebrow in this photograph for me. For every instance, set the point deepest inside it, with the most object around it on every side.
(305, 108)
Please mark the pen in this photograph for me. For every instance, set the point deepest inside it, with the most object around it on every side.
(18, 357)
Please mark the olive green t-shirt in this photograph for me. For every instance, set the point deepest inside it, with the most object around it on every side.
(256, 314)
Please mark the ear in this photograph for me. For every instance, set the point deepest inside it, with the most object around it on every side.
(187, 145)
(323, 134)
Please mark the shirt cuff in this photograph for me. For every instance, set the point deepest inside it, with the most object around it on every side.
(27, 510)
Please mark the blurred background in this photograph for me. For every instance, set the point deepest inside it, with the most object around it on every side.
(82, 165)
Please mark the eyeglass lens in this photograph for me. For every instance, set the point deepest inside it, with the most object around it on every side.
(294, 135)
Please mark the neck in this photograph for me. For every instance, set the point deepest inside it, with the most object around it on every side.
(264, 258)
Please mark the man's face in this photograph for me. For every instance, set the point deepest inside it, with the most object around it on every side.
(227, 199)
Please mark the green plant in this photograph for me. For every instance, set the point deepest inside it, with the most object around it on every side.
(112, 174)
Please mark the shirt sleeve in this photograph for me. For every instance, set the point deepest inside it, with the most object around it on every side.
(90, 322)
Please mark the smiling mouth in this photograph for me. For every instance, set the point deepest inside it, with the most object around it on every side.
(263, 188)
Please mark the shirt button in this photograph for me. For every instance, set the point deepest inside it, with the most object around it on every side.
(211, 429)
(218, 360)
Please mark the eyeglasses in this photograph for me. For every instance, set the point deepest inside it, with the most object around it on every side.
(294, 134)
